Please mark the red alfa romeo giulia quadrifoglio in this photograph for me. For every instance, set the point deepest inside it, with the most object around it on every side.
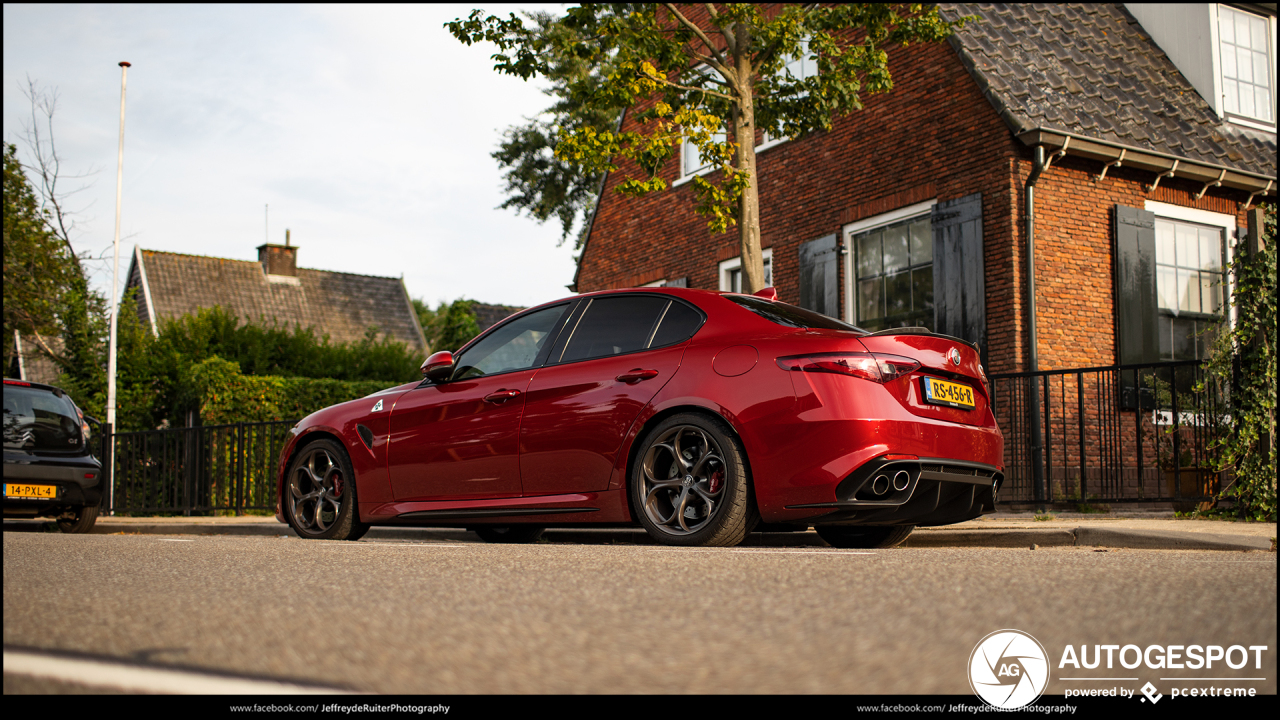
(698, 415)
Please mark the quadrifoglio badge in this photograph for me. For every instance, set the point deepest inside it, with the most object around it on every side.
(1008, 669)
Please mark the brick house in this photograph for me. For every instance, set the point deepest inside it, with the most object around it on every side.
(1113, 148)
(274, 290)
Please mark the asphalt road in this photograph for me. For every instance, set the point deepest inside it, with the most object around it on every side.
(467, 617)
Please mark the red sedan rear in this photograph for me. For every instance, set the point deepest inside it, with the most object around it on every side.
(698, 415)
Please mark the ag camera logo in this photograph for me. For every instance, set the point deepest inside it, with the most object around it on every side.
(1008, 669)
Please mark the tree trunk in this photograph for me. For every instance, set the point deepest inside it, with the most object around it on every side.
(744, 129)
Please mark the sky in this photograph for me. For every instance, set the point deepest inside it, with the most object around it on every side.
(364, 130)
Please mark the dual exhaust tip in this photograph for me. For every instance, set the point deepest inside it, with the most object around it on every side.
(881, 483)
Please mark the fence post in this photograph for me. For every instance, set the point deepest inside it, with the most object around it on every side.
(107, 453)
(1084, 495)
(1037, 443)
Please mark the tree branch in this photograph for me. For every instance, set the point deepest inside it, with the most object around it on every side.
(716, 60)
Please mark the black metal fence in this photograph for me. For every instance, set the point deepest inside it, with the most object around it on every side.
(197, 470)
(1115, 434)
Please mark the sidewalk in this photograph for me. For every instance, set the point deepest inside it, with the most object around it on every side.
(1137, 530)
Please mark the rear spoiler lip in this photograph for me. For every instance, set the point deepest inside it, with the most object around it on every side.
(922, 331)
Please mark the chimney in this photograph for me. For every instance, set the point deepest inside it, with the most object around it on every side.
(279, 259)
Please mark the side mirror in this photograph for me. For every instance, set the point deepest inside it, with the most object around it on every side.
(439, 366)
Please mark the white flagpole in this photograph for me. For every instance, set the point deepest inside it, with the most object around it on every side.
(115, 298)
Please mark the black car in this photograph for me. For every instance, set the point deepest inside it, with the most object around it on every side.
(49, 469)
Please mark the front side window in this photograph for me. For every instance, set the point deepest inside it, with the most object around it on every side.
(513, 346)
(1189, 286)
(1245, 54)
(893, 265)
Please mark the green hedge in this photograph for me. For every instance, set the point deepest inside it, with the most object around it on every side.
(225, 395)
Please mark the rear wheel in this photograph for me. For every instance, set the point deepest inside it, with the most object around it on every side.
(320, 494)
(689, 484)
(80, 520)
(513, 534)
(865, 536)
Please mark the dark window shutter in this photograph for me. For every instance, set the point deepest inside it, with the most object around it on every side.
(959, 281)
(1137, 332)
(819, 284)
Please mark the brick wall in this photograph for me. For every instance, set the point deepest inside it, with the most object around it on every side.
(933, 137)
(1074, 270)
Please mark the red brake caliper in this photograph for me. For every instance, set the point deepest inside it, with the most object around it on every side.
(335, 478)
(717, 479)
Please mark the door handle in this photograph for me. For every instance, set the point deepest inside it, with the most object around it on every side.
(501, 396)
(636, 375)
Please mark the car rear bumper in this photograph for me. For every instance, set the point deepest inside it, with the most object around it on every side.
(78, 482)
(927, 491)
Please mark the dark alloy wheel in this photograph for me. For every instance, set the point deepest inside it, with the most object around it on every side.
(690, 486)
(320, 494)
(864, 536)
(510, 533)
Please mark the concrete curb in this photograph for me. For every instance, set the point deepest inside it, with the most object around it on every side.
(1083, 536)
(1166, 540)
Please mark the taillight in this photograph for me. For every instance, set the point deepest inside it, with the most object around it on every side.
(876, 367)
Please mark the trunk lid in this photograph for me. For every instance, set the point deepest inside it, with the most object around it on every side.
(936, 389)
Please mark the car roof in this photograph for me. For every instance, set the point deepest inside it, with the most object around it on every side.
(38, 386)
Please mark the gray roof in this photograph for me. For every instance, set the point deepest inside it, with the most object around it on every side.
(1091, 70)
(342, 305)
(489, 315)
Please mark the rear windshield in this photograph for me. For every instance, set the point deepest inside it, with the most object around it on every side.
(789, 315)
(36, 420)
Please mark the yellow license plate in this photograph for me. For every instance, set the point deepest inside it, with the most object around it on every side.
(35, 492)
(941, 392)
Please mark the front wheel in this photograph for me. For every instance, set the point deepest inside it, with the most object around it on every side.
(690, 485)
(864, 536)
(320, 494)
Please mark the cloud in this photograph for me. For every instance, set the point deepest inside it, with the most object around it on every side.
(367, 129)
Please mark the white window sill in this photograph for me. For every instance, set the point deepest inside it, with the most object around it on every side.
(1252, 124)
(704, 171)
(711, 168)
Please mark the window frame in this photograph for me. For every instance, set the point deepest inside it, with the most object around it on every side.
(1222, 221)
(726, 267)
(560, 345)
(1212, 219)
(1219, 76)
(909, 212)
(766, 142)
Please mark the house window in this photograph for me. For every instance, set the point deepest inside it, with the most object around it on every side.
(893, 267)
(1245, 56)
(1189, 286)
(798, 68)
(731, 272)
(691, 160)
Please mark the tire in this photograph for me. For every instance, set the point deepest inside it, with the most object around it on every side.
(864, 536)
(80, 520)
(690, 484)
(320, 494)
(512, 534)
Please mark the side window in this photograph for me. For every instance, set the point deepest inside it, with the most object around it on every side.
(513, 346)
(679, 322)
(614, 326)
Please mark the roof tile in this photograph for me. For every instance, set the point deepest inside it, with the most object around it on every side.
(1030, 57)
